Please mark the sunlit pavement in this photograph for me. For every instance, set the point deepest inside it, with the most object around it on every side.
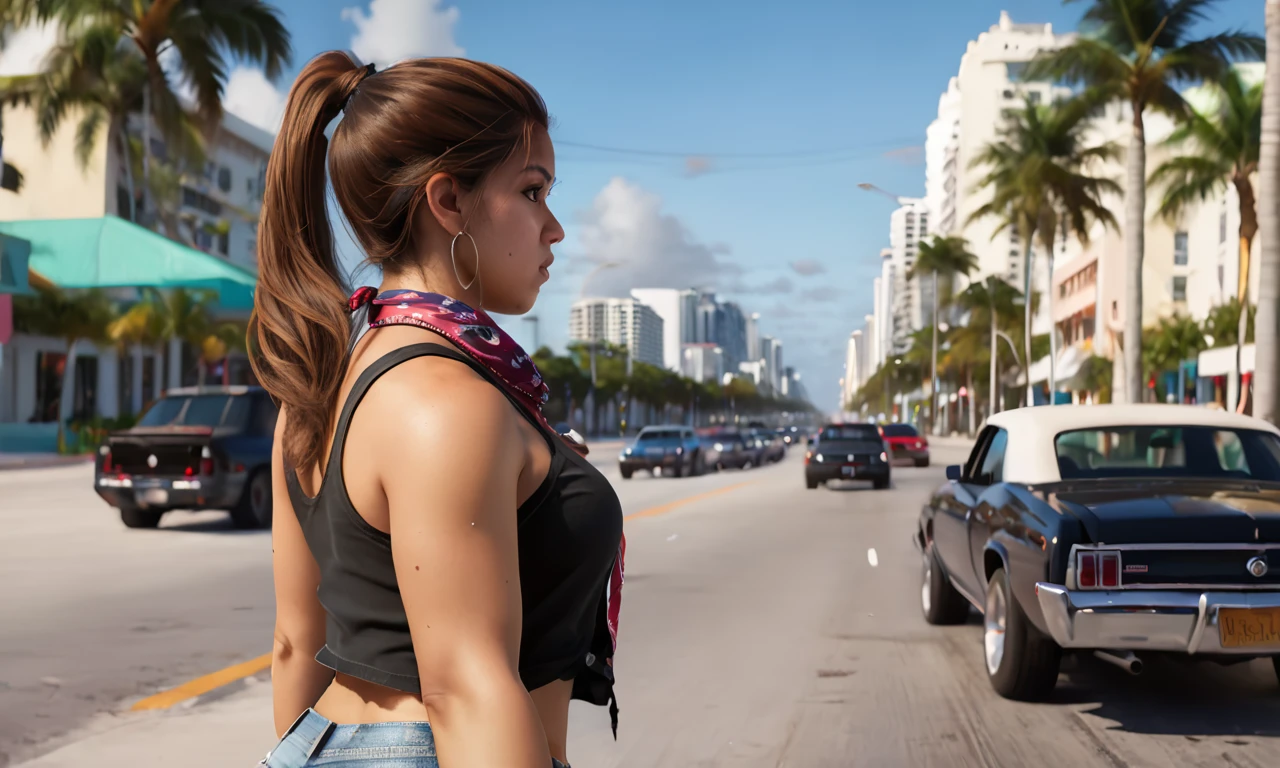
(762, 625)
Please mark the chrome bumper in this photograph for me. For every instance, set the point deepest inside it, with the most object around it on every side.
(1176, 620)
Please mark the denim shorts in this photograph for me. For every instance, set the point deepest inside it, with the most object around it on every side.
(313, 740)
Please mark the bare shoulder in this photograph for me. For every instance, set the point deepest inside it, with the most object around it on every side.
(433, 401)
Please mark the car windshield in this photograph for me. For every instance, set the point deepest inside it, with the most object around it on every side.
(900, 430)
(658, 436)
(850, 432)
(1168, 452)
(197, 411)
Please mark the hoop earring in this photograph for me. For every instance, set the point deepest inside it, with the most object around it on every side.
(453, 259)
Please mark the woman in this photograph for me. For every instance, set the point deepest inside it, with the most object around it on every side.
(446, 568)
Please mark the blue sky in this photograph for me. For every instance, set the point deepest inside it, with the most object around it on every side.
(701, 80)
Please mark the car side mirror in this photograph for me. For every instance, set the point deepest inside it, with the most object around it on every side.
(954, 472)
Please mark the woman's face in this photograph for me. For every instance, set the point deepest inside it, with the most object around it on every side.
(514, 230)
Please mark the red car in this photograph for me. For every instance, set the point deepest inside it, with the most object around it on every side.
(906, 443)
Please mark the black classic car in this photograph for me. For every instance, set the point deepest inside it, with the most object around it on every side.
(194, 448)
(1120, 531)
(847, 452)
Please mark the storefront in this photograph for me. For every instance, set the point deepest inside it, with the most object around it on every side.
(109, 380)
(1216, 378)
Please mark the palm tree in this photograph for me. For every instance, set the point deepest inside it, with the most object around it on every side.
(1225, 148)
(1266, 378)
(945, 258)
(991, 304)
(161, 316)
(1222, 325)
(71, 317)
(204, 36)
(1038, 171)
(1137, 52)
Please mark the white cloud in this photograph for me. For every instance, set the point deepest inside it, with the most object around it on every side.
(25, 49)
(250, 96)
(625, 224)
(394, 30)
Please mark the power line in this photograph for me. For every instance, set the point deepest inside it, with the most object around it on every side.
(885, 144)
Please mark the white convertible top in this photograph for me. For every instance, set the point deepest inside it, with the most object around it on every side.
(1030, 456)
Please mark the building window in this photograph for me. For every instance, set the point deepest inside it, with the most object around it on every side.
(1222, 278)
(224, 179)
(1180, 249)
(1033, 97)
(1222, 227)
(224, 244)
(1179, 289)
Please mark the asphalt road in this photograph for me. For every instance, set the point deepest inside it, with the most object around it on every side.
(758, 628)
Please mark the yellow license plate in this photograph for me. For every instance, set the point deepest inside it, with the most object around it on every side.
(1248, 627)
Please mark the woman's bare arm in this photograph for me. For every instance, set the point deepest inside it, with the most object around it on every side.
(297, 680)
(452, 459)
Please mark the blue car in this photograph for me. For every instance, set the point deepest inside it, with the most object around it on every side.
(659, 450)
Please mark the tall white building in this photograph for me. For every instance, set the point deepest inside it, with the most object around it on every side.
(679, 312)
(908, 225)
(989, 85)
(703, 362)
(771, 353)
(625, 322)
(852, 368)
(753, 336)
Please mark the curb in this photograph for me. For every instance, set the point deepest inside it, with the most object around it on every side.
(41, 462)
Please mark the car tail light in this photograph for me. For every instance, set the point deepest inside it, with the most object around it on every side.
(106, 461)
(206, 461)
(808, 455)
(1098, 570)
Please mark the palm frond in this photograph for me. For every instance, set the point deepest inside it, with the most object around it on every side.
(87, 132)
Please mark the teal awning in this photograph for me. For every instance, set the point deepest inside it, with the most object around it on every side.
(109, 252)
(14, 253)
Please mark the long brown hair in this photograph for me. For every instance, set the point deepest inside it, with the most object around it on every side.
(400, 127)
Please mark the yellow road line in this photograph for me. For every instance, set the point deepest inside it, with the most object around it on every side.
(206, 683)
(662, 509)
(202, 685)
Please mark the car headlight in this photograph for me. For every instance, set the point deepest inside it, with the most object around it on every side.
(679, 450)
(818, 457)
(883, 456)
(719, 446)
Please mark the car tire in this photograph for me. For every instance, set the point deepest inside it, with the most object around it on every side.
(880, 485)
(1022, 664)
(253, 511)
(941, 604)
(747, 464)
(699, 464)
(136, 517)
(1275, 663)
(922, 462)
(810, 484)
(626, 473)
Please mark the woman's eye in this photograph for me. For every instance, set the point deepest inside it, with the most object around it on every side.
(534, 194)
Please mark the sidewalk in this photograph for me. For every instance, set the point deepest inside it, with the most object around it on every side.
(39, 460)
(227, 728)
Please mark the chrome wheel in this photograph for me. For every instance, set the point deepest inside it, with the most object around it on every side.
(925, 601)
(994, 622)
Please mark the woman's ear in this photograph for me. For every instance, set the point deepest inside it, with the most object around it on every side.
(444, 198)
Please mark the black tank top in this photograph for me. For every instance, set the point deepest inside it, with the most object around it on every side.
(569, 532)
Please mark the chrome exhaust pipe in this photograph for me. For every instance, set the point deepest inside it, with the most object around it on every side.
(1126, 660)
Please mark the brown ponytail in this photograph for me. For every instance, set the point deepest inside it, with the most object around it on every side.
(400, 127)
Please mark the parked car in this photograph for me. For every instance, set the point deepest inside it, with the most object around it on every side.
(790, 435)
(770, 445)
(661, 449)
(847, 452)
(726, 449)
(905, 442)
(194, 448)
(1116, 530)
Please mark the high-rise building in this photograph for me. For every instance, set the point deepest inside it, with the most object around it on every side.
(678, 310)
(753, 336)
(733, 335)
(771, 350)
(988, 86)
(908, 225)
(703, 362)
(625, 322)
(852, 368)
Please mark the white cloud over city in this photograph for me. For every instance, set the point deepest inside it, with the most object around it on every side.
(626, 224)
(393, 30)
